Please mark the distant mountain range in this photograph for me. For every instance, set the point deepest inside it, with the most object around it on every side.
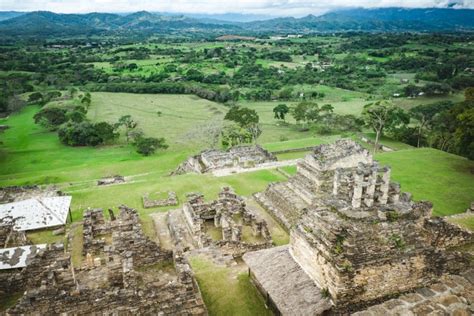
(44, 23)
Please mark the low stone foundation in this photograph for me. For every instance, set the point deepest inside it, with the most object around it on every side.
(171, 200)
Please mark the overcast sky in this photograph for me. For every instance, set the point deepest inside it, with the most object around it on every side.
(270, 7)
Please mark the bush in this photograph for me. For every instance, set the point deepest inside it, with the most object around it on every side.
(86, 133)
(147, 146)
(51, 118)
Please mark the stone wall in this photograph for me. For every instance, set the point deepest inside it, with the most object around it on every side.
(224, 213)
(209, 160)
(171, 200)
(19, 193)
(123, 278)
(446, 235)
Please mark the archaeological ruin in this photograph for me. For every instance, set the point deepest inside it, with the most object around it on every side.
(170, 200)
(226, 223)
(123, 272)
(213, 159)
(117, 179)
(355, 238)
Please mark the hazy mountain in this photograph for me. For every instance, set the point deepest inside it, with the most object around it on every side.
(43, 23)
(5, 15)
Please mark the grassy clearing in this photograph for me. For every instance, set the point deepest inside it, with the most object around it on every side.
(227, 291)
(446, 180)
(180, 115)
(32, 155)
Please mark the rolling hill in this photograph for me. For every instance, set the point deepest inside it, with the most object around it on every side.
(42, 23)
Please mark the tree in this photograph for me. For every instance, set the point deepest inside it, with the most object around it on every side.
(51, 117)
(128, 123)
(147, 146)
(105, 131)
(305, 111)
(35, 97)
(232, 135)
(242, 116)
(464, 134)
(383, 115)
(245, 118)
(424, 114)
(280, 111)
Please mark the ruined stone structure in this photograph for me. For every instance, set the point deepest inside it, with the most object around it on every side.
(353, 232)
(17, 280)
(171, 200)
(213, 159)
(111, 180)
(9, 237)
(127, 274)
(237, 228)
(19, 193)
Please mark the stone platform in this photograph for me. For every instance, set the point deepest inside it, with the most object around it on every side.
(286, 287)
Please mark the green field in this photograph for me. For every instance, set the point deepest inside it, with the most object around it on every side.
(227, 291)
(32, 155)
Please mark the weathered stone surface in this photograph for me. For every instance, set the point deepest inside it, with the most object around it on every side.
(111, 180)
(241, 156)
(357, 235)
(121, 279)
(229, 215)
(447, 297)
(286, 287)
(171, 200)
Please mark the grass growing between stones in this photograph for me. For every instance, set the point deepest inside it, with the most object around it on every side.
(77, 245)
(466, 222)
(44, 236)
(9, 300)
(227, 291)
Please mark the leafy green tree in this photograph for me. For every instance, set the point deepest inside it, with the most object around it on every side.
(35, 97)
(105, 131)
(285, 93)
(147, 146)
(464, 134)
(280, 111)
(129, 124)
(424, 114)
(51, 117)
(233, 134)
(76, 116)
(246, 118)
(242, 116)
(382, 115)
(305, 112)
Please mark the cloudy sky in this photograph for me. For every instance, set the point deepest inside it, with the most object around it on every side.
(269, 7)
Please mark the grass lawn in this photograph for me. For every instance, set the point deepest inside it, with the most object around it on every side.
(227, 291)
(32, 155)
(446, 180)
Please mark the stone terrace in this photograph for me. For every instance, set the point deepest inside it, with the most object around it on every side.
(238, 156)
(355, 234)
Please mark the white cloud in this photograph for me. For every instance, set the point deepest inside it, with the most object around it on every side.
(272, 7)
